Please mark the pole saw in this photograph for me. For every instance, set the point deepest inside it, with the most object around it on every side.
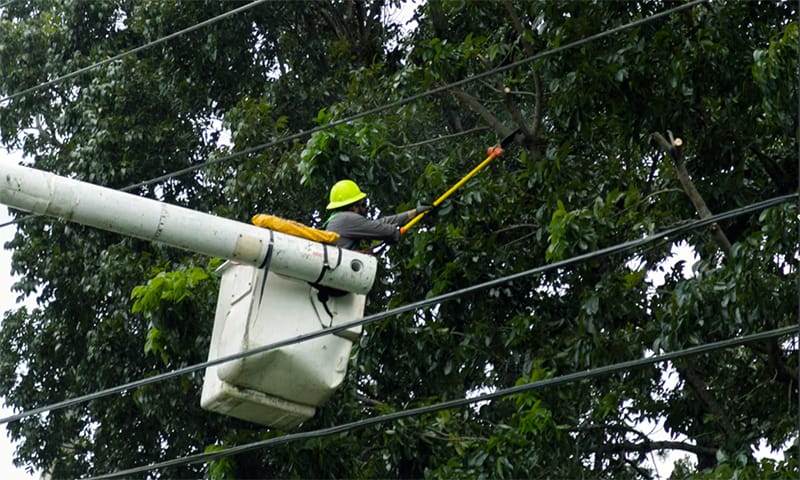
(494, 152)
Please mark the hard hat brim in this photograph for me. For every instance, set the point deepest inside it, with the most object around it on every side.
(344, 203)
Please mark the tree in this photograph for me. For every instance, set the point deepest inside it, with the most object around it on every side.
(594, 166)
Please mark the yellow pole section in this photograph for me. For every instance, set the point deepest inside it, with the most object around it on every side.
(494, 152)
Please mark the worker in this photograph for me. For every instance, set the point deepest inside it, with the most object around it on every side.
(348, 205)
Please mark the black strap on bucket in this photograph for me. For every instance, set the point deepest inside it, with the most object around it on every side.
(325, 293)
(265, 266)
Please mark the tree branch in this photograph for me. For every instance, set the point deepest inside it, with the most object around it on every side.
(531, 226)
(482, 111)
(673, 150)
(516, 22)
(433, 434)
(697, 383)
(366, 400)
(645, 445)
(773, 169)
(438, 139)
(515, 226)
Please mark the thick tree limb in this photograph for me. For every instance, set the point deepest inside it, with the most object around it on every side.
(650, 446)
(511, 104)
(356, 25)
(482, 111)
(783, 372)
(530, 134)
(516, 22)
(695, 380)
(673, 150)
(778, 175)
(516, 114)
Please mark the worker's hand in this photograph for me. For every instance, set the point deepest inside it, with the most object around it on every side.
(422, 208)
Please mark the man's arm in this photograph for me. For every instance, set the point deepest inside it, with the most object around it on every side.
(356, 227)
(402, 218)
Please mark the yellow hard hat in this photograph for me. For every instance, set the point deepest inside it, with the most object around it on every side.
(345, 192)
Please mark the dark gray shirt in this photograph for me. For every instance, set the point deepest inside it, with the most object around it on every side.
(354, 228)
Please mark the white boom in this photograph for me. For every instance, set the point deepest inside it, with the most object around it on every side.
(107, 209)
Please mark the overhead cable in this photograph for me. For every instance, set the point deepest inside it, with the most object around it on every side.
(132, 51)
(398, 103)
(622, 247)
(464, 81)
(462, 402)
(427, 93)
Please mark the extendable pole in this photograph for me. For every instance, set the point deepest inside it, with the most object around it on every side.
(494, 152)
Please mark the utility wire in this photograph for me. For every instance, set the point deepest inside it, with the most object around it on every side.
(118, 57)
(559, 49)
(132, 51)
(457, 403)
(434, 91)
(400, 102)
(622, 247)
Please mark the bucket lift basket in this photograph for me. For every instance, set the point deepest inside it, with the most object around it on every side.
(280, 387)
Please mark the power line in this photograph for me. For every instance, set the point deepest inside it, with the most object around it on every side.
(532, 58)
(413, 412)
(621, 247)
(132, 51)
(400, 102)
(433, 91)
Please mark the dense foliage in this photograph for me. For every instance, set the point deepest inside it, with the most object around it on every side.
(585, 173)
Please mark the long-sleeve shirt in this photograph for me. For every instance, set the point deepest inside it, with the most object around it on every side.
(354, 228)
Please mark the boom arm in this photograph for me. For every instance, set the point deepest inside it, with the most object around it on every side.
(107, 209)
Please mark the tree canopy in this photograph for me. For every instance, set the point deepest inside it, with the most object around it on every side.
(622, 135)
